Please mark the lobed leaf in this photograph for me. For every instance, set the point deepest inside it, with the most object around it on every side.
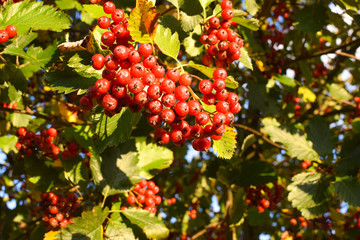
(245, 59)
(88, 226)
(152, 156)
(251, 6)
(348, 190)
(168, 43)
(151, 225)
(116, 170)
(225, 147)
(7, 143)
(310, 193)
(34, 15)
(295, 144)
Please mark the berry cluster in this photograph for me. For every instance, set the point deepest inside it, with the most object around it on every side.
(221, 43)
(171, 201)
(134, 79)
(71, 149)
(14, 1)
(193, 212)
(296, 101)
(10, 105)
(9, 32)
(28, 142)
(144, 195)
(262, 197)
(319, 71)
(303, 222)
(57, 209)
(305, 164)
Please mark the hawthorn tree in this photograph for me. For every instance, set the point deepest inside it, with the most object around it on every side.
(179, 119)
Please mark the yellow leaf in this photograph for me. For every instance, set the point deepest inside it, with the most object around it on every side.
(306, 94)
(69, 112)
(51, 235)
(260, 65)
(57, 163)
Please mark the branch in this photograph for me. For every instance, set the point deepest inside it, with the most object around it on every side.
(27, 111)
(348, 55)
(259, 134)
(330, 50)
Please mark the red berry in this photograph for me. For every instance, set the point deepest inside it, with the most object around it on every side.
(214, 22)
(131, 199)
(182, 109)
(117, 15)
(11, 30)
(226, 4)
(102, 86)
(4, 36)
(182, 93)
(109, 7)
(185, 79)
(227, 14)
(103, 22)
(202, 118)
(86, 103)
(293, 222)
(145, 49)
(109, 102)
(205, 87)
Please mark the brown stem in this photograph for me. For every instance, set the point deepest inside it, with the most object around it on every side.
(348, 55)
(27, 111)
(330, 50)
(259, 134)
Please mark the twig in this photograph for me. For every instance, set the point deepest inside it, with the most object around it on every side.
(330, 50)
(348, 55)
(27, 112)
(259, 134)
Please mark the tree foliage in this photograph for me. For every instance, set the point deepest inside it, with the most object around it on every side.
(286, 167)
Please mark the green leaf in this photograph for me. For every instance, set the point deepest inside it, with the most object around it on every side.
(245, 59)
(81, 134)
(311, 18)
(248, 141)
(7, 143)
(88, 226)
(253, 24)
(225, 147)
(295, 144)
(255, 173)
(176, 3)
(34, 15)
(284, 80)
(256, 218)
(68, 4)
(116, 170)
(306, 94)
(116, 229)
(208, 71)
(80, 62)
(356, 124)
(114, 130)
(190, 22)
(68, 81)
(251, 6)
(349, 155)
(348, 190)
(192, 45)
(338, 92)
(152, 157)
(151, 225)
(95, 10)
(310, 193)
(39, 59)
(137, 27)
(75, 171)
(323, 138)
(16, 47)
(15, 82)
(20, 120)
(205, 3)
(168, 44)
